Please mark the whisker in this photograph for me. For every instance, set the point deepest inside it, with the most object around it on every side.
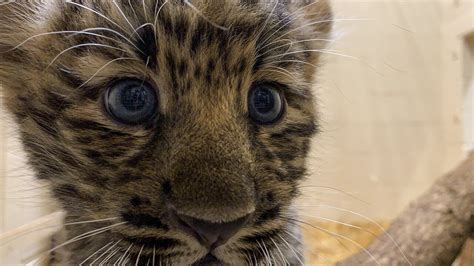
(326, 259)
(135, 31)
(40, 35)
(187, 2)
(283, 71)
(84, 45)
(267, 257)
(139, 254)
(84, 236)
(111, 255)
(283, 259)
(370, 220)
(292, 43)
(105, 252)
(122, 258)
(270, 252)
(323, 51)
(95, 253)
(144, 11)
(337, 190)
(123, 14)
(338, 235)
(291, 20)
(103, 67)
(320, 22)
(269, 17)
(95, 12)
(114, 32)
(91, 221)
(157, 12)
(291, 61)
(341, 223)
(292, 250)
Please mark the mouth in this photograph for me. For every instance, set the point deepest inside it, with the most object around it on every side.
(209, 260)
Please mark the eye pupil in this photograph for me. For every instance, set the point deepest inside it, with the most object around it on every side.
(131, 102)
(265, 104)
(264, 101)
(134, 98)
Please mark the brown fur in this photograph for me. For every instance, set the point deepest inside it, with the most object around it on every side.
(202, 154)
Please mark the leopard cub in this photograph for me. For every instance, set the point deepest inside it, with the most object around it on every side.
(170, 131)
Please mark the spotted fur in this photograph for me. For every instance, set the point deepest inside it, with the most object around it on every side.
(202, 153)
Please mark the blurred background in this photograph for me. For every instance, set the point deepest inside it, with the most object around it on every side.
(396, 109)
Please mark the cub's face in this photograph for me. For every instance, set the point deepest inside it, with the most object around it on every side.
(179, 129)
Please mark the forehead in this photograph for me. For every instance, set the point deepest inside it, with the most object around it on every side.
(206, 44)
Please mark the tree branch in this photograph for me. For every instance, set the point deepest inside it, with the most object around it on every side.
(433, 229)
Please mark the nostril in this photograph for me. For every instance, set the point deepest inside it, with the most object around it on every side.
(166, 188)
(209, 234)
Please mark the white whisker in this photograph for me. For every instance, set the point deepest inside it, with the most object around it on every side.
(119, 261)
(114, 32)
(104, 262)
(95, 253)
(370, 220)
(337, 190)
(292, 61)
(341, 223)
(292, 43)
(39, 35)
(267, 256)
(103, 67)
(319, 22)
(139, 254)
(157, 12)
(123, 14)
(133, 9)
(83, 45)
(326, 259)
(92, 221)
(283, 259)
(269, 17)
(95, 12)
(81, 237)
(323, 51)
(105, 252)
(340, 236)
(187, 2)
(283, 19)
(283, 72)
(144, 11)
(297, 256)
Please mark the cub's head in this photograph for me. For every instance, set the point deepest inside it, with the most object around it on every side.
(178, 128)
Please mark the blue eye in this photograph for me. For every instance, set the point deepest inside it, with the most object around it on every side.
(265, 104)
(131, 102)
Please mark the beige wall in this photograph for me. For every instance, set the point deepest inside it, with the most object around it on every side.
(22, 197)
(393, 118)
